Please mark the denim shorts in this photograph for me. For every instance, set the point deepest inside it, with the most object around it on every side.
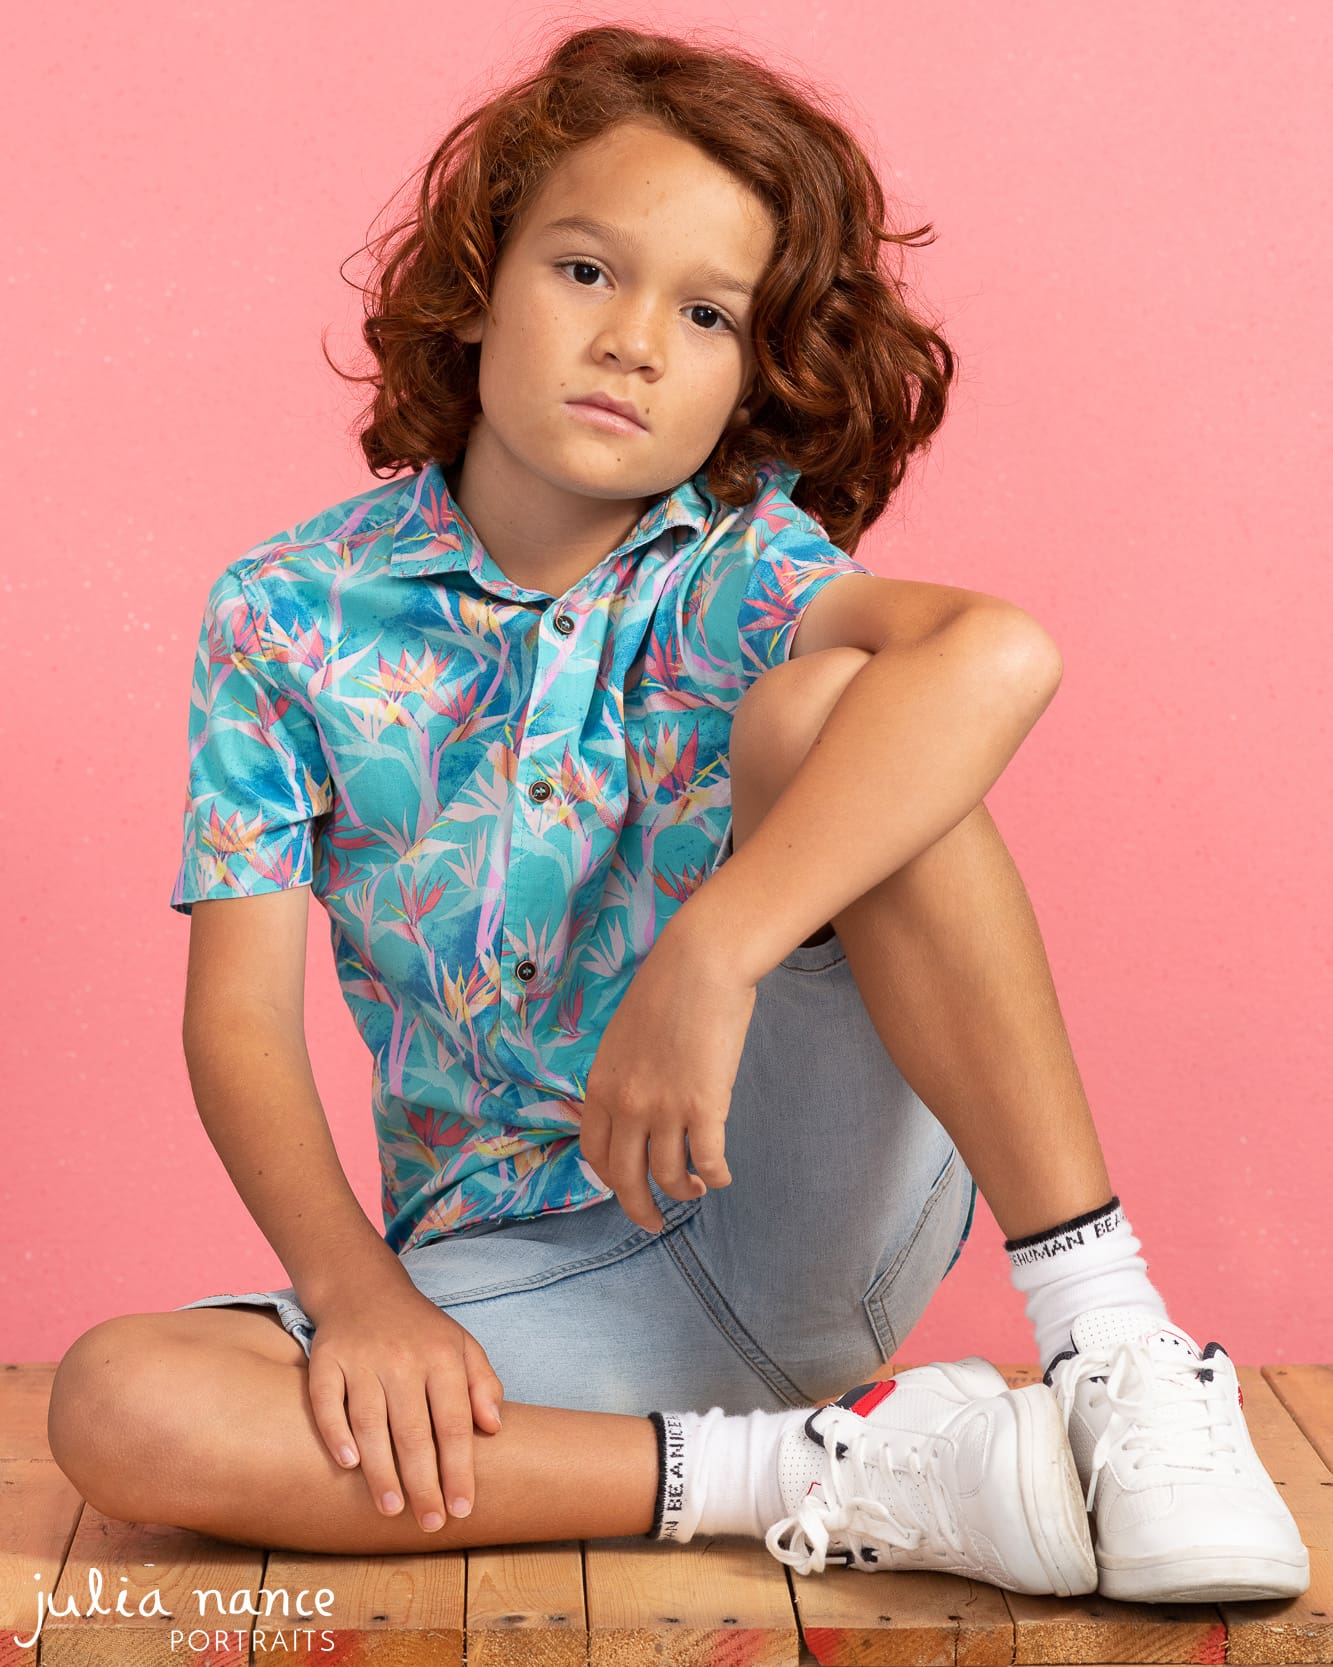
(848, 1205)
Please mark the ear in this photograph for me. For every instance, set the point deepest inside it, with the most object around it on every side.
(741, 415)
(749, 398)
(469, 330)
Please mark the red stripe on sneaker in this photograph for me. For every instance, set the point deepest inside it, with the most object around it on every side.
(869, 1401)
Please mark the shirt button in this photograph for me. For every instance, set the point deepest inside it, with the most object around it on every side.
(564, 623)
(526, 970)
(539, 791)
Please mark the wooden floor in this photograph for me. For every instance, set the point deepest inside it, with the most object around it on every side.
(607, 1603)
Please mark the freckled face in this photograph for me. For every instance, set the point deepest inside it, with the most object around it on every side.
(641, 311)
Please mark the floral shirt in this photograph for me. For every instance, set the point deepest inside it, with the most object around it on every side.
(499, 796)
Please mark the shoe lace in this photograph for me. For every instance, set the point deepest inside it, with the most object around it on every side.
(850, 1509)
(1176, 1414)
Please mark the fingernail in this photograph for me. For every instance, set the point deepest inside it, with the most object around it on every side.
(431, 1521)
(391, 1501)
(496, 1412)
(460, 1507)
(348, 1455)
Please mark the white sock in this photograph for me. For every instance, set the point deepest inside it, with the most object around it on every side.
(1088, 1262)
(719, 1473)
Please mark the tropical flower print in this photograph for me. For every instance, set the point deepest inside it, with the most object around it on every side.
(499, 796)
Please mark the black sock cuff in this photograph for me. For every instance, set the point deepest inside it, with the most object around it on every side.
(1064, 1227)
(659, 1424)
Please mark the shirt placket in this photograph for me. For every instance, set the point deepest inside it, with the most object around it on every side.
(552, 724)
(535, 782)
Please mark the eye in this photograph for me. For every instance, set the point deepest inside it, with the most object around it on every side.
(697, 307)
(703, 307)
(588, 265)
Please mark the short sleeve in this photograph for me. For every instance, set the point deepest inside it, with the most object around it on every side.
(786, 573)
(258, 776)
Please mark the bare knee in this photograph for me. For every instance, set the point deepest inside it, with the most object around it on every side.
(112, 1412)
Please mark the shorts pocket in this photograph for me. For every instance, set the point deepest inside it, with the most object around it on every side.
(529, 1252)
(899, 1295)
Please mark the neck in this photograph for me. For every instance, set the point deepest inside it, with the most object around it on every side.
(541, 536)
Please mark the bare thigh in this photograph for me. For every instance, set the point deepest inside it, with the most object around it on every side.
(225, 1329)
(257, 1329)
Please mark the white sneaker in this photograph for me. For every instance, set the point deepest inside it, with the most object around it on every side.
(942, 1467)
(1184, 1509)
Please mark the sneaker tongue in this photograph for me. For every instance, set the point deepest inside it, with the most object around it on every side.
(893, 1404)
(1183, 1430)
(1101, 1329)
(803, 1464)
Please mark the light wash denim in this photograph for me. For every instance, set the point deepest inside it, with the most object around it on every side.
(848, 1205)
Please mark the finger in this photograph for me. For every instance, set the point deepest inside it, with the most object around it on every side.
(485, 1389)
(328, 1391)
(708, 1152)
(410, 1423)
(451, 1414)
(368, 1414)
(627, 1174)
(595, 1141)
(667, 1161)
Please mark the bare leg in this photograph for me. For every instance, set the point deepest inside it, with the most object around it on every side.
(201, 1419)
(949, 960)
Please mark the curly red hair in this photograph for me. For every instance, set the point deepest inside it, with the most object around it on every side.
(850, 381)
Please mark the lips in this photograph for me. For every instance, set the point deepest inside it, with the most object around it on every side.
(621, 407)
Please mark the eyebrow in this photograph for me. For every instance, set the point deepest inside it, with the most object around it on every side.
(712, 275)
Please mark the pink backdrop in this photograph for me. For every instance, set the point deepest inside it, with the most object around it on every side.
(1133, 263)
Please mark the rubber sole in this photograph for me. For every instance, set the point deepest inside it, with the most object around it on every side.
(1051, 1493)
(1205, 1577)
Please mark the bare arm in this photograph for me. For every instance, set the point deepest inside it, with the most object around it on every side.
(245, 1049)
(388, 1368)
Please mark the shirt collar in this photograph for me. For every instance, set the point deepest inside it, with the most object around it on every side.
(432, 535)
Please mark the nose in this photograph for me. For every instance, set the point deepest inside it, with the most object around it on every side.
(633, 337)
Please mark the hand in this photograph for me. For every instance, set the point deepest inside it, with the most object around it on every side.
(664, 1070)
(404, 1367)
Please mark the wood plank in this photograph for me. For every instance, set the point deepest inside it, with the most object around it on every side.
(723, 1600)
(903, 1616)
(25, 1394)
(525, 1606)
(1295, 1629)
(39, 1510)
(1307, 1394)
(404, 1609)
(1095, 1628)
